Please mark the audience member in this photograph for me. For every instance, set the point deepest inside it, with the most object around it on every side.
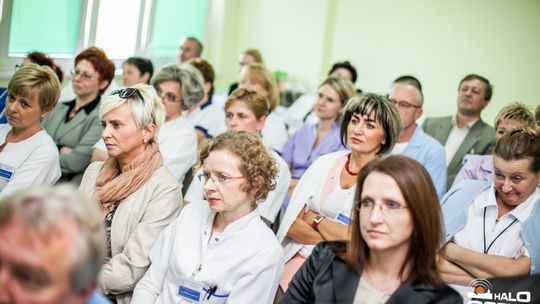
(257, 77)
(391, 257)
(537, 114)
(314, 140)
(464, 133)
(206, 117)
(52, 248)
(220, 250)
(28, 155)
(190, 48)
(412, 140)
(247, 57)
(74, 125)
(480, 167)
(179, 88)
(344, 69)
(321, 204)
(137, 195)
(492, 226)
(246, 110)
(137, 70)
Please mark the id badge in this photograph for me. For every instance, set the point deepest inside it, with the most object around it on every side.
(190, 291)
(344, 216)
(6, 174)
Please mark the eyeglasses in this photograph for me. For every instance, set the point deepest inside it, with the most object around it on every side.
(390, 208)
(169, 96)
(217, 179)
(85, 76)
(404, 104)
(127, 93)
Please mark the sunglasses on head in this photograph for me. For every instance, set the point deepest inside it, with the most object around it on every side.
(127, 93)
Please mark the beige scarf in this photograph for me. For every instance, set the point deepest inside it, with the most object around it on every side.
(114, 184)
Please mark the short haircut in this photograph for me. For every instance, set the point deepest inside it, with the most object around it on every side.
(145, 112)
(345, 65)
(417, 188)
(410, 80)
(46, 210)
(522, 143)
(385, 113)
(207, 71)
(515, 111)
(188, 77)
(44, 59)
(343, 87)
(255, 54)
(258, 167)
(35, 80)
(260, 73)
(101, 63)
(199, 48)
(488, 91)
(256, 102)
(144, 65)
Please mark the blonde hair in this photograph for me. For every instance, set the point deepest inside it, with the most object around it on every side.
(148, 111)
(256, 102)
(36, 80)
(515, 111)
(261, 74)
(255, 54)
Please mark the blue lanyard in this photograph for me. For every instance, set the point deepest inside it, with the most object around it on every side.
(487, 249)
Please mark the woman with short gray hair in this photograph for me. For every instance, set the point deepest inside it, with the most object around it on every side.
(136, 193)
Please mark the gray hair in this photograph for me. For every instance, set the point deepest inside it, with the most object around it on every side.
(188, 77)
(44, 209)
(148, 111)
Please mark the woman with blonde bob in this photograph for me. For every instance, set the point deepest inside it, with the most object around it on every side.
(258, 78)
(136, 193)
(219, 250)
(28, 155)
(391, 256)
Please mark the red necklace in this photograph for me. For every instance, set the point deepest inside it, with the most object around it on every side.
(347, 166)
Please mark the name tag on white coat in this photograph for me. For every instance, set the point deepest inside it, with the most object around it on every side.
(194, 292)
(6, 174)
(344, 215)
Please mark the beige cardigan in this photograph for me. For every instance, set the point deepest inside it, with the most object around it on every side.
(136, 225)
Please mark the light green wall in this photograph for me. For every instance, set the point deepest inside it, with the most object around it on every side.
(437, 41)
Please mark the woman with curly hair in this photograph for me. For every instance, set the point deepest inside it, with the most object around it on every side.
(220, 249)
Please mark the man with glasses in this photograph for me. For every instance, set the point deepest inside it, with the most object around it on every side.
(190, 48)
(407, 95)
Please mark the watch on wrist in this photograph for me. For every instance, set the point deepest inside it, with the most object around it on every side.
(316, 221)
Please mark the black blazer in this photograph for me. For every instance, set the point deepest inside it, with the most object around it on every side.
(325, 278)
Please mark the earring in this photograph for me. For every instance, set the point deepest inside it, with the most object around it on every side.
(145, 140)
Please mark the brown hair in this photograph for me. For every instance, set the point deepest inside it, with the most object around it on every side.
(521, 143)
(255, 54)
(488, 90)
(101, 63)
(418, 191)
(258, 167)
(256, 102)
(261, 74)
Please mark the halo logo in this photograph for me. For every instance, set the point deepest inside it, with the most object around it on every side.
(484, 294)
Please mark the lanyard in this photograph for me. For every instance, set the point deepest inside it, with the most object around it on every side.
(487, 249)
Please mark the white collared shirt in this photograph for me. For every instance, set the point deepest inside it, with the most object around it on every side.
(455, 138)
(508, 243)
(245, 261)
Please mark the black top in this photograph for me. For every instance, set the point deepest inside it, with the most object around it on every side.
(87, 108)
(325, 278)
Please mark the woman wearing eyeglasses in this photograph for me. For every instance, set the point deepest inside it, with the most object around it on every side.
(246, 110)
(391, 257)
(28, 155)
(136, 193)
(179, 87)
(74, 125)
(219, 250)
(321, 203)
